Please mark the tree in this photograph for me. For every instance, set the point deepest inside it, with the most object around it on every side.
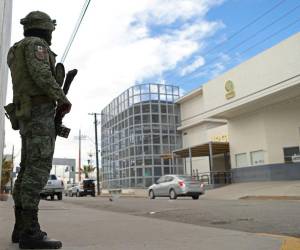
(7, 166)
(87, 169)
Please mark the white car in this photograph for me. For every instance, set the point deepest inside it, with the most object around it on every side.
(176, 185)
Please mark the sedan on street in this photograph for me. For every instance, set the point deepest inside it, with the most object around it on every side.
(176, 185)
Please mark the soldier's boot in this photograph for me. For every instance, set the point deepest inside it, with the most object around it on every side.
(15, 237)
(32, 237)
(18, 225)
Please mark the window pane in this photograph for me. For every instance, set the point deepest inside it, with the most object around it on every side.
(136, 90)
(156, 150)
(155, 118)
(148, 161)
(241, 160)
(137, 109)
(165, 139)
(139, 172)
(154, 108)
(146, 108)
(147, 139)
(146, 119)
(145, 97)
(145, 88)
(148, 171)
(155, 129)
(289, 152)
(156, 139)
(139, 161)
(157, 161)
(157, 171)
(139, 150)
(147, 150)
(137, 119)
(166, 170)
(162, 89)
(257, 157)
(148, 182)
(153, 88)
(164, 119)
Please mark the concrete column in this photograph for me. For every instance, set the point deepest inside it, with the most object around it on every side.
(191, 161)
(211, 162)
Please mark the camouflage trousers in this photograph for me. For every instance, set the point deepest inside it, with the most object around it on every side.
(38, 141)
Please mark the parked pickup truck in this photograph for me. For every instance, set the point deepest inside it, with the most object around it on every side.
(53, 187)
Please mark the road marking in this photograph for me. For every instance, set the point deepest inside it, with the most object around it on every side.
(289, 243)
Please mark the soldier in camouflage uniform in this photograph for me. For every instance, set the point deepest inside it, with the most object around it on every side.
(36, 98)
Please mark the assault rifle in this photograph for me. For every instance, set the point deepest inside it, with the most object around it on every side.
(62, 130)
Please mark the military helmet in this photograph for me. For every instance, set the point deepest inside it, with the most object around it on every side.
(38, 20)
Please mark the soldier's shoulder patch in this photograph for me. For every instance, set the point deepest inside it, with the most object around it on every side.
(41, 52)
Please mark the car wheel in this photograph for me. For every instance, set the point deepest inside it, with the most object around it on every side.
(59, 196)
(151, 194)
(195, 197)
(172, 194)
(93, 194)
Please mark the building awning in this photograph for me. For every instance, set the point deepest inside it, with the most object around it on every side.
(203, 149)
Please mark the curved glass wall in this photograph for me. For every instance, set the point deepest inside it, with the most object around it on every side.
(138, 134)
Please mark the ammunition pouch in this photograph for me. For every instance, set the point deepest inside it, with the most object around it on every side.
(23, 108)
(11, 115)
(41, 99)
(62, 131)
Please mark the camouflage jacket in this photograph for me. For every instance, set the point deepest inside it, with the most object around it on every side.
(32, 66)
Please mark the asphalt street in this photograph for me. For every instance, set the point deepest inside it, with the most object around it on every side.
(254, 216)
(89, 228)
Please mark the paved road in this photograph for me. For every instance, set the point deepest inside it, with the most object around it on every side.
(272, 217)
(82, 228)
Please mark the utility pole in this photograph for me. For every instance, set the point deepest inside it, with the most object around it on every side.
(96, 145)
(12, 170)
(80, 137)
(79, 156)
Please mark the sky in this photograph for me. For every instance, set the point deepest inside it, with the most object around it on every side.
(125, 42)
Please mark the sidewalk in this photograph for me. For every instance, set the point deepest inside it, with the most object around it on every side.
(275, 190)
(87, 229)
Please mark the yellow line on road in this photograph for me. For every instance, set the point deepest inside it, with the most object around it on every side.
(289, 243)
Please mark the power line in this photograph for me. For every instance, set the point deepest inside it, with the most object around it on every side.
(248, 25)
(270, 36)
(262, 29)
(210, 62)
(256, 19)
(81, 16)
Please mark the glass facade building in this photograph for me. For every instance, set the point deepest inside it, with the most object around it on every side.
(138, 135)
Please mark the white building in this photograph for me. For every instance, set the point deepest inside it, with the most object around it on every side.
(5, 33)
(251, 111)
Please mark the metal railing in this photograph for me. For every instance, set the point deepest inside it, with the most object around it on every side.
(214, 177)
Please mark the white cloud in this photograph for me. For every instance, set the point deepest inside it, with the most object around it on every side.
(191, 68)
(116, 46)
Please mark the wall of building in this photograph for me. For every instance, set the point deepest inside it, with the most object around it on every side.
(269, 129)
(194, 136)
(185, 108)
(5, 33)
(282, 122)
(260, 72)
(246, 134)
(263, 112)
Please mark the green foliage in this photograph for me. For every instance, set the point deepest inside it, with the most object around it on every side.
(7, 166)
(87, 169)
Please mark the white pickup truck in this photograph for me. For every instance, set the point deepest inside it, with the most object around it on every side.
(53, 187)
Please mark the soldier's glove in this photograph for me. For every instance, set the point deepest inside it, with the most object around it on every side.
(63, 108)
